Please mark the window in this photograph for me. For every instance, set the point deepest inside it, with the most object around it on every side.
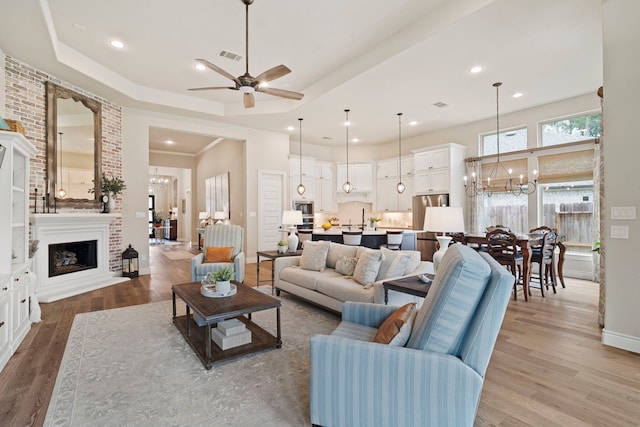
(510, 140)
(578, 128)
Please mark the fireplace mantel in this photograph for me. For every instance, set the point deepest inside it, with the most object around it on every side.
(69, 227)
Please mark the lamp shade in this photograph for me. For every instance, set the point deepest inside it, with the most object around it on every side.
(292, 217)
(443, 220)
(203, 215)
(219, 215)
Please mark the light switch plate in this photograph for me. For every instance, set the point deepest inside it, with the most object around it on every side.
(619, 232)
(623, 212)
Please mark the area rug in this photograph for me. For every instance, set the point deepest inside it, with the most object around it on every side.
(131, 367)
(174, 255)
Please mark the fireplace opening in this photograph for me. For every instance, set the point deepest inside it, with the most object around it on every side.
(70, 257)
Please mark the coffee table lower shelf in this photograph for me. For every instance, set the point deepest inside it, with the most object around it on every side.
(260, 340)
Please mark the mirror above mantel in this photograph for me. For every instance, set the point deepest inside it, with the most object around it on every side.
(74, 148)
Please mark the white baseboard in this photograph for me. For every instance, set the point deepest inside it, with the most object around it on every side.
(622, 341)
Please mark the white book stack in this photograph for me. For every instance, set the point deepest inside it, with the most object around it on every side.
(230, 333)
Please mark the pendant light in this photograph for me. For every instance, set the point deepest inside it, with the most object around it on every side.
(400, 186)
(301, 189)
(347, 187)
(61, 191)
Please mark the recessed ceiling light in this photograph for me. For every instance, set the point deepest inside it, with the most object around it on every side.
(518, 94)
(355, 140)
(199, 67)
(264, 84)
(413, 123)
(475, 69)
(290, 127)
(169, 142)
(117, 44)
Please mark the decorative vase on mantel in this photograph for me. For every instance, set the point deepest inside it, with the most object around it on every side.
(111, 204)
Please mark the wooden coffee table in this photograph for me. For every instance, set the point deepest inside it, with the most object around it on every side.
(210, 311)
(409, 285)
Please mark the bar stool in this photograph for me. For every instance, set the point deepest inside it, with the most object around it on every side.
(352, 238)
(394, 239)
(303, 235)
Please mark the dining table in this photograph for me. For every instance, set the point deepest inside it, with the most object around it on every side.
(525, 242)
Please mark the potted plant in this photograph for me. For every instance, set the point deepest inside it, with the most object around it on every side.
(373, 220)
(223, 278)
(282, 246)
(157, 218)
(111, 187)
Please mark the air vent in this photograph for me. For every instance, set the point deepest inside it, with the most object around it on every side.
(328, 138)
(230, 55)
(440, 104)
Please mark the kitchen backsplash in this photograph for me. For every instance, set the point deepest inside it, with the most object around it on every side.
(353, 211)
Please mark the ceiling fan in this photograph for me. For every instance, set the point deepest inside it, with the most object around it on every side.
(246, 83)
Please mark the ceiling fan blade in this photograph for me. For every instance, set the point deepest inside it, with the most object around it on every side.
(280, 92)
(218, 70)
(273, 73)
(249, 100)
(212, 88)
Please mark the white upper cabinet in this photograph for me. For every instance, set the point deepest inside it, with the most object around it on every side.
(308, 166)
(433, 159)
(360, 175)
(440, 170)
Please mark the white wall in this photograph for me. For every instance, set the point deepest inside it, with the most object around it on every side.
(622, 152)
(262, 148)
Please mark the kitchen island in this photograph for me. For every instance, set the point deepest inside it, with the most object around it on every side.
(371, 238)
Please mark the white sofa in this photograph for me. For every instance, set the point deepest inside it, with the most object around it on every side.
(331, 289)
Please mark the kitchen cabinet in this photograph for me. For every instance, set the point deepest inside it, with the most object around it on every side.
(308, 166)
(360, 175)
(325, 190)
(440, 170)
(20, 324)
(307, 177)
(389, 200)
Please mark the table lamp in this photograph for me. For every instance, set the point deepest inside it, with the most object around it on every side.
(443, 220)
(203, 216)
(219, 216)
(292, 218)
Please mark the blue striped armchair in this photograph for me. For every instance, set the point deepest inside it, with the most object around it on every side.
(436, 379)
(220, 235)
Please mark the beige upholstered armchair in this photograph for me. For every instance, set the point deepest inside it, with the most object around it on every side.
(220, 236)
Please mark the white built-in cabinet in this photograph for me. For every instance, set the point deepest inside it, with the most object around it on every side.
(360, 175)
(306, 176)
(440, 170)
(325, 189)
(14, 253)
(387, 197)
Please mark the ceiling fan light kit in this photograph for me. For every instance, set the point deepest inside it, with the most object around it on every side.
(246, 83)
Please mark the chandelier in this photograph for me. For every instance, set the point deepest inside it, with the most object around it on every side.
(157, 182)
(512, 186)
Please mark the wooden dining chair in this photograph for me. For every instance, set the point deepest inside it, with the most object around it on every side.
(502, 246)
(545, 258)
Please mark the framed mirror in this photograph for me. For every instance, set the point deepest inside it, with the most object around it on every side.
(74, 149)
(217, 195)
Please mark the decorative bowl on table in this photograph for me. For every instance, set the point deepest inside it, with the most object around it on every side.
(208, 289)
(325, 226)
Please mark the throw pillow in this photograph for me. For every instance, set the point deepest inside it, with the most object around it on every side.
(213, 254)
(398, 266)
(346, 265)
(395, 330)
(367, 268)
(314, 255)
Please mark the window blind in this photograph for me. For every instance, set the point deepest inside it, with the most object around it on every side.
(574, 166)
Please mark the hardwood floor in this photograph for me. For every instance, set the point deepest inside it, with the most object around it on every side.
(548, 368)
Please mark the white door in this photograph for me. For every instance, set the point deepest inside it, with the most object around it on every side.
(270, 205)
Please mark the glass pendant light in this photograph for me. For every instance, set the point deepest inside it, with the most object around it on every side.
(301, 188)
(400, 186)
(61, 191)
(347, 187)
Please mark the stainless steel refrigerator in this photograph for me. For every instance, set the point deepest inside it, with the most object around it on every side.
(426, 241)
